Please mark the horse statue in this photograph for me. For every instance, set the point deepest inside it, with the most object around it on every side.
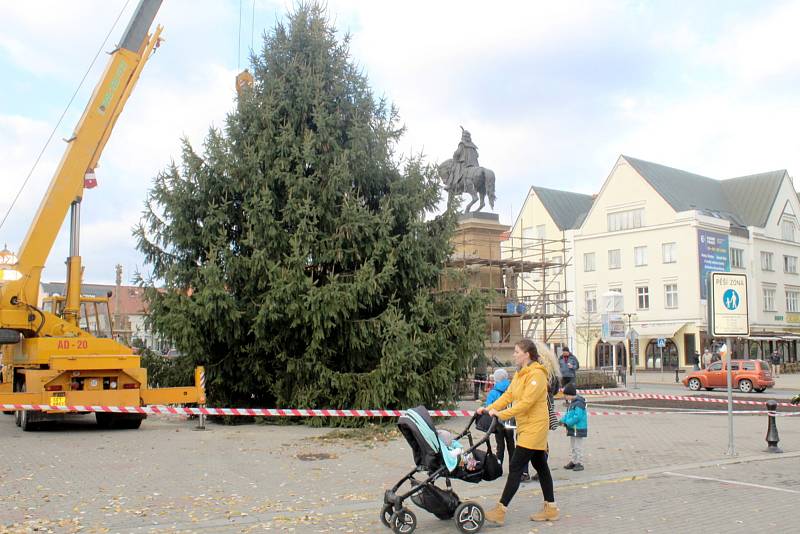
(474, 180)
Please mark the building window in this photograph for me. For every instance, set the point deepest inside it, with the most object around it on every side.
(642, 298)
(669, 253)
(768, 297)
(614, 259)
(671, 295)
(540, 229)
(640, 256)
(588, 262)
(787, 230)
(790, 264)
(615, 304)
(528, 235)
(661, 358)
(625, 220)
(792, 300)
(590, 297)
(604, 355)
(737, 258)
(766, 261)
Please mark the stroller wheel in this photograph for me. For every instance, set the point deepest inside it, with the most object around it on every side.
(403, 522)
(469, 517)
(386, 515)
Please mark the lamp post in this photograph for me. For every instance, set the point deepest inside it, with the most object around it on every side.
(629, 339)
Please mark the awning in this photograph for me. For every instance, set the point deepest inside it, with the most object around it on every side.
(790, 337)
(652, 330)
(766, 337)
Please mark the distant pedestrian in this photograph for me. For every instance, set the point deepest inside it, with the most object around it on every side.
(480, 375)
(696, 360)
(577, 422)
(707, 358)
(569, 365)
(775, 363)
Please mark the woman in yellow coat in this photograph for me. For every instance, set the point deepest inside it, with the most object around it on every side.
(526, 401)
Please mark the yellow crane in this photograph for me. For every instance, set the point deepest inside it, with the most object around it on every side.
(62, 356)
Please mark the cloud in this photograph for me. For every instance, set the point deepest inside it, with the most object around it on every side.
(181, 93)
(551, 91)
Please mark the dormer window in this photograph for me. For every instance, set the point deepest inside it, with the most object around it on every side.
(787, 230)
(625, 220)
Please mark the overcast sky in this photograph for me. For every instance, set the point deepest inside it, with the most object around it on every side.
(552, 92)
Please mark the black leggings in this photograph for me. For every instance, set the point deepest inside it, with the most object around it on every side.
(519, 461)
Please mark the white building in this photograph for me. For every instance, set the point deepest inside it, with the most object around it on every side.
(654, 232)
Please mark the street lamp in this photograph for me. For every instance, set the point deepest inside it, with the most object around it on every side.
(631, 359)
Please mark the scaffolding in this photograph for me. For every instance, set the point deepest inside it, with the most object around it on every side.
(526, 279)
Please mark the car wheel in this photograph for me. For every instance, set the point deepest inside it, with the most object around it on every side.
(694, 384)
(745, 386)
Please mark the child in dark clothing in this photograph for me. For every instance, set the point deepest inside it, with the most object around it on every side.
(577, 422)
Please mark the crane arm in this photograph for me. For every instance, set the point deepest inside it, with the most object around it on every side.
(80, 157)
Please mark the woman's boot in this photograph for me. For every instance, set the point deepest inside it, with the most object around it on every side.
(549, 512)
(497, 515)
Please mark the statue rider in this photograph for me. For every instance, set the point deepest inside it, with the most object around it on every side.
(466, 155)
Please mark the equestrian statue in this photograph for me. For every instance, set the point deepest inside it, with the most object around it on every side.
(462, 174)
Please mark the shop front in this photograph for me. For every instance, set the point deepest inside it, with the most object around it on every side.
(606, 353)
(663, 345)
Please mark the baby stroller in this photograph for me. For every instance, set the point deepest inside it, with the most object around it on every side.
(473, 466)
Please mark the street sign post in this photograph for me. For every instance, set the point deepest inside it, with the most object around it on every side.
(728, 315)
(728, 305)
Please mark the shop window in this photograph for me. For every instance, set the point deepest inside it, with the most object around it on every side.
(604, 357)
(655, 356)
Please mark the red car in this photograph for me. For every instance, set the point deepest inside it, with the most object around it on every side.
(746, 375)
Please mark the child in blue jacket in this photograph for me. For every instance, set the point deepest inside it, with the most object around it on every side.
(577, 422)
(504, 436)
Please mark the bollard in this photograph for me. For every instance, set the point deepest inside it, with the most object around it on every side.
(202, 425)
(772, 428)
(676, 376)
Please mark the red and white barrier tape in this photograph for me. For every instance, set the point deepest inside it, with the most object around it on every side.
(656, 396)
(268, 412)
(298, 412)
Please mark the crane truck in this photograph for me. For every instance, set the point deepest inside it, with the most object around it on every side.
(63, 354)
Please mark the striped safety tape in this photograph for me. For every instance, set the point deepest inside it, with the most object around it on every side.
(300, 412)
(656, 396)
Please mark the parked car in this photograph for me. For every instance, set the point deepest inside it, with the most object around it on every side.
(746, 375)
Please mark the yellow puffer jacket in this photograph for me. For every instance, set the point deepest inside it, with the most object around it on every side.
(528, 393)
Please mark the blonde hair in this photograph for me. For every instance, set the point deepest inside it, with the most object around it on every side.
(549, 360)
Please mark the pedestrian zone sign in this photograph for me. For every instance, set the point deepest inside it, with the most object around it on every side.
(728, 303)
(661, 342)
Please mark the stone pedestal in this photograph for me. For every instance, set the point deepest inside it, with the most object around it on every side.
(476, 251)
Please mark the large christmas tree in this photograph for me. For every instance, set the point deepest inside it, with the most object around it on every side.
(298, 259)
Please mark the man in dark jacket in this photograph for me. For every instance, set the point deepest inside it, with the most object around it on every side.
(569, 366)
(480, 374)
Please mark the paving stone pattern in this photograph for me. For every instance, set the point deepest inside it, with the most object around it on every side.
(166, 477)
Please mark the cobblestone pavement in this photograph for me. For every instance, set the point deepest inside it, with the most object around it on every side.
(253, 478)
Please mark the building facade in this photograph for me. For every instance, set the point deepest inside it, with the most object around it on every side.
(652, 235)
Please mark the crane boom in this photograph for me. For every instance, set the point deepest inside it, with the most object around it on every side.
(83, 151)
(59, 356)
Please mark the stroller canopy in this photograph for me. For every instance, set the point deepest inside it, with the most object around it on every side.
(420, 432)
